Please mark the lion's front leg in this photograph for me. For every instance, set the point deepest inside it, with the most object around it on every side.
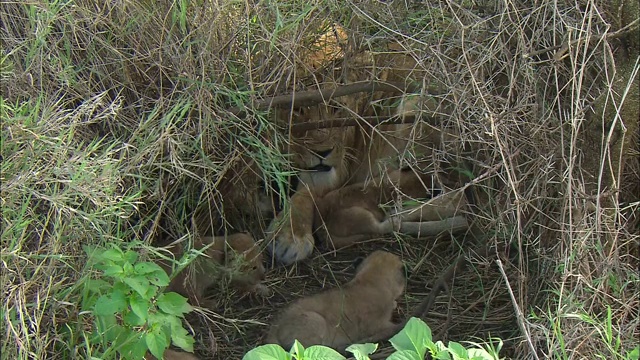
(291, 232)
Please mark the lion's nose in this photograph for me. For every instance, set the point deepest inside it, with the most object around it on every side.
(323, 153)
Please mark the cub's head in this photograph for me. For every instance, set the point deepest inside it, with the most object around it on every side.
(321, 155)
(242, 262)
(244, 258)
(382, 269)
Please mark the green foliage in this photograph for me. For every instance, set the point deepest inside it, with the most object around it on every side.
(131, 315)
(411, 343)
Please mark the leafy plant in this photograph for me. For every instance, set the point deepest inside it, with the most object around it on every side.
(411, 343)
(130, 313)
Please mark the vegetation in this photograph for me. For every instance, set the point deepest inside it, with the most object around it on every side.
(413, 342)
(118, 134)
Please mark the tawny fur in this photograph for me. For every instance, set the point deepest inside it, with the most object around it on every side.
(355, 212)
(328, 159)
(236, 256)
(342, 316)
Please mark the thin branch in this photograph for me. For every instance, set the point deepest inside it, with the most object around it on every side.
(313, 97)
(519, 315)
(354, 121)
(564, 47)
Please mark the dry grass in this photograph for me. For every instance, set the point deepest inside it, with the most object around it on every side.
(115, 128)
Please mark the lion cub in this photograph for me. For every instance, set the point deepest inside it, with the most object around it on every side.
(355, 212)
(235, 256)
(338, 317)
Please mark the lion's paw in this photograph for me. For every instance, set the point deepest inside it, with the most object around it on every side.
(288, 248)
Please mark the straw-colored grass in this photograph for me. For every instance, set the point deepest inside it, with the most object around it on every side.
(116, 128)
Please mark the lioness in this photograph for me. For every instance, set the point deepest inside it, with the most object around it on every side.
(355, 212)
(338, 317)
(330, 158)
(236, 256)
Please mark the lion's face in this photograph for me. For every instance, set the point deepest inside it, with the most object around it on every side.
(321, 155)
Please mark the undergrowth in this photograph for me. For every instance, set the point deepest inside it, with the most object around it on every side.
(117, 129)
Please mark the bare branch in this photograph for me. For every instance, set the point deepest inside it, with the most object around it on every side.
(312, 97)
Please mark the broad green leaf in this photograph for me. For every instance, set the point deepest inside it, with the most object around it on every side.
(140, 306)
(113, 271)
(439, 351)
(267, 352)
(114, 254)
(458, 351)
(107, 327)
(415, 336)
(297, 349)
(405, 355)
(319, 352)
(173, 303)
(479, 354)
(634, 354)
(139, 284)
(96, 285)
(362, 351)
(181, 338)
(153, 272)
(147, 268)
(110, 304)
(130, 256)
(157, 341)
(127, 268)
(132, 320)
(134, 350)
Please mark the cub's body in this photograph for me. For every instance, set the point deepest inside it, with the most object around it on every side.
(339, 317)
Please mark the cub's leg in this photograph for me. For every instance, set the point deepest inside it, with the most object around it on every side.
(291, 231)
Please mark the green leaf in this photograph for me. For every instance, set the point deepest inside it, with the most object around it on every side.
(96, 285)
(173, 304)
(131, 256)
(110, 304)
(157, 341)
(634, 354)
(153, 272)
(439, 351)
(479, 354)
(362, 351)
(458, 351)
(140, 306)
(114, 254)
(405, 355)
(297, 349)
(147, 268)
(134, 350)
(139, 284)
(319, 352)
(114, 270)
(181, 338)
(267, 352)
(416, 336)
(133, 320)
(107, 327)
